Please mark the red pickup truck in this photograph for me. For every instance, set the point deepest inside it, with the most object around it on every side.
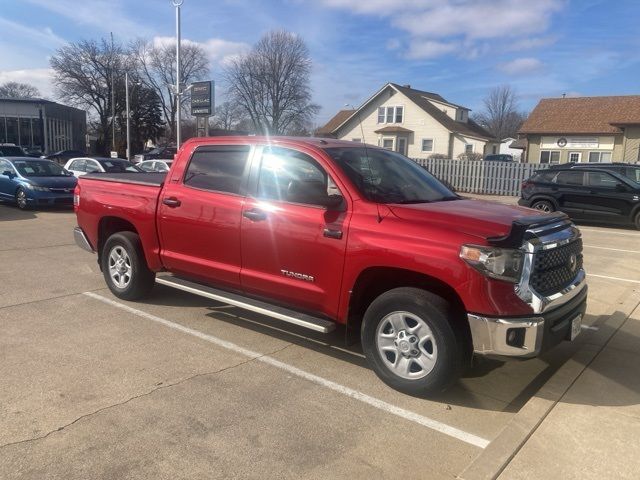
(320, 232)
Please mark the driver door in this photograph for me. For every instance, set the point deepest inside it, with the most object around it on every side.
(292, 250)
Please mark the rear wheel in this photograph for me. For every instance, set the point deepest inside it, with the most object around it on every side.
(543, 205)
(21, 199)
(637, 220)
(125, 268)
(409, 341)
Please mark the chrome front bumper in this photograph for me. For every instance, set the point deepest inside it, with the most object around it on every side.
(81, 240)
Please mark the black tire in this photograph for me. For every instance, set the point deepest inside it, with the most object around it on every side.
(140, 278)
(636, 222)
(436, 313)
(21, 199)
(543, 205)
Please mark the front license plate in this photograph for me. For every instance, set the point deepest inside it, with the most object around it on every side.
(576, 327)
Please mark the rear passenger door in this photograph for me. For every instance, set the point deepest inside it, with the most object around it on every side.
(570, 192)
(200, 213)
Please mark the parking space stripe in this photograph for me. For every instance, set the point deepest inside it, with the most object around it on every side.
(612, 249)
(609, 232)
(349, 392)
(613, 278)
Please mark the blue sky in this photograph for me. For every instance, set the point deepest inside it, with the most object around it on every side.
(457, 48)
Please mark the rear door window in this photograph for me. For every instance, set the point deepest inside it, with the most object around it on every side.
(571, 177)
(219, 168)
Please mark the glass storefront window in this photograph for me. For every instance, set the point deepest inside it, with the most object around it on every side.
(12, 130)
(25, 132)
(36, 126)
(3, 131)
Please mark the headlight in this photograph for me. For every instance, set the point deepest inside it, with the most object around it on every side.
(37, 188)
(501, 263)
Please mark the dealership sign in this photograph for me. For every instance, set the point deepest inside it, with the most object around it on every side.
(577, 143)
(202, 98)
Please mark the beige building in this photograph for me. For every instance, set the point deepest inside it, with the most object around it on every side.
(415, 123)
(583, 129)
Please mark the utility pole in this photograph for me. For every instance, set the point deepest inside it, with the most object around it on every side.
(126, 92)
(177, 3)
(113, 102)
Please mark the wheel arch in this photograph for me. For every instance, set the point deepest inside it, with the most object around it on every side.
(548, 198)
(108, 226)
(374, 281)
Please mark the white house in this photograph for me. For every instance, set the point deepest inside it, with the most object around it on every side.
(413, 122)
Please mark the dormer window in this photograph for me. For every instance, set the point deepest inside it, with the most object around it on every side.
(393, 114)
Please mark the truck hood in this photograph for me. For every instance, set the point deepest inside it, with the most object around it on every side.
(53, 182)
(473, 217)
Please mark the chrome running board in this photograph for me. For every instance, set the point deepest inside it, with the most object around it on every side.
(264, 308)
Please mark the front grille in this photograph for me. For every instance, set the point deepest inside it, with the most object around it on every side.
(555, 269)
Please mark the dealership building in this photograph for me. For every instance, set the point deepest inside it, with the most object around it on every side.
(43, 125)
(583, 129)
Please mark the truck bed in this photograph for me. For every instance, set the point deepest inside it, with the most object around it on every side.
(154, 179)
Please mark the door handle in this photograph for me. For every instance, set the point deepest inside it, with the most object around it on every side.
(171, 202)
(254, 215)
(337, 234)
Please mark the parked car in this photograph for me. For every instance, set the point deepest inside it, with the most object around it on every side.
(82, 166)
(11, 150)
(321, 232)
(499, 157)
(63, 156)
(155, 165)
(31, 182)
(588, 193)
(162, 153)
(629, 170)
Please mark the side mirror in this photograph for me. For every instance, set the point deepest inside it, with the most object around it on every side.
(313, 193)
(621, 188)
(8, 173)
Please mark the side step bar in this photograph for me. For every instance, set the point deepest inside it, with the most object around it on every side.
(281, 313)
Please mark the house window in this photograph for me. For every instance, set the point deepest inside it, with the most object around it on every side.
(387, 143)
(598, 157)
(399, 114)
(575, 157)
(468, 148)
(427, 144)
(393, 114)
(550, 156)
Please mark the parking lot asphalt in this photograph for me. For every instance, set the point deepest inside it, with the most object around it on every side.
(178, 386)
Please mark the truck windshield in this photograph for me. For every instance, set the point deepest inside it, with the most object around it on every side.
(39, 168)
(387, 177)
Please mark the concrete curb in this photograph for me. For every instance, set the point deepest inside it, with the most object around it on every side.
(494, 459)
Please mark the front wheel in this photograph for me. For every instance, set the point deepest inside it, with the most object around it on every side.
(408, 339)
(21, 199)
(125, 268)
(637, 220)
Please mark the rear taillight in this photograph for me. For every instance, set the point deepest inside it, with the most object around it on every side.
(76, 197)
(525, 184)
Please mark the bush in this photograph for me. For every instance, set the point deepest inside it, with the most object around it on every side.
(473, 156)
(437, 156)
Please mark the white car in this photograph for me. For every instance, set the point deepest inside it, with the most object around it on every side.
(83, 165)
(155, 165)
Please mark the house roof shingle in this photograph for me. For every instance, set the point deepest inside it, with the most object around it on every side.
(583, 115)
(337, 120)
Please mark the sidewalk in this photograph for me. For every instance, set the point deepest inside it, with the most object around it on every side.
(585, 422)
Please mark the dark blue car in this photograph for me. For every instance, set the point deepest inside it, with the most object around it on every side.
(31, 182)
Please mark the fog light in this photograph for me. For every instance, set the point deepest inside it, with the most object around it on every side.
(515, 337)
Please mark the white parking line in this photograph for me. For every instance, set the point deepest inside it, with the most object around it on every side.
(613, 278)
(349, 392)
(612, 249)
(609, 232)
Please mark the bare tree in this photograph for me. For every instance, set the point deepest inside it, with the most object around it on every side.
(90, 74)
(271, 83)
(156, 65)
(501, 116)
(18, 90)
(228, 116)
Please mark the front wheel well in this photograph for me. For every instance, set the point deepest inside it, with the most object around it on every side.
(374, 281)
(107, 227)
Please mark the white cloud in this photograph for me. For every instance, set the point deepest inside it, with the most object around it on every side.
(461, 22)
(41, 78)
(42, 37)
(521, 66)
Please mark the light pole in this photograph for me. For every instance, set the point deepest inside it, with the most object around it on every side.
(126, 93)
(177, 3)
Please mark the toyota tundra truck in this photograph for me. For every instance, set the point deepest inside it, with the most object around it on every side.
(323, 233)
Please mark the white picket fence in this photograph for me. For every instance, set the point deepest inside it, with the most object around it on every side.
(492, 178)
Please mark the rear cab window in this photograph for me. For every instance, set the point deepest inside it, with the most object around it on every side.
(218, 168)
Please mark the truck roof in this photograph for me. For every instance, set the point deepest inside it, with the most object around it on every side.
(252, 139)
